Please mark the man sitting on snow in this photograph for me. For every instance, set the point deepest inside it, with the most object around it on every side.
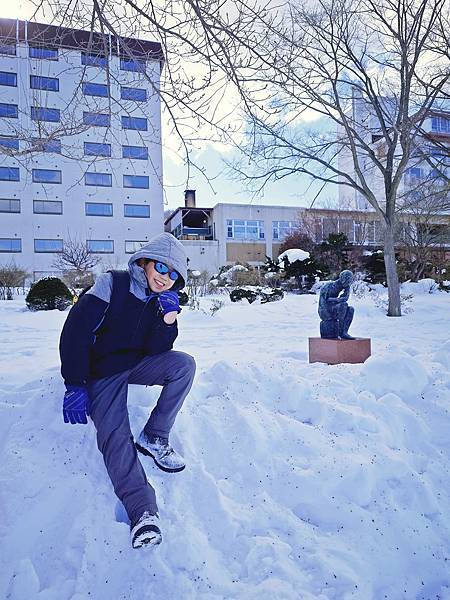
(122, 331)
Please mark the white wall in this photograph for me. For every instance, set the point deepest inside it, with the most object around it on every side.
(203, 255)
(268, 214)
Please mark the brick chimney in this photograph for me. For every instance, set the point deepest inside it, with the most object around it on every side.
(189, 198)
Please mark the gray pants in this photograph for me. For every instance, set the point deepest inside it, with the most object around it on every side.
(108, 398)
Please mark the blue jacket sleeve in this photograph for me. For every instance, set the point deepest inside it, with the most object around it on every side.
(77, 338)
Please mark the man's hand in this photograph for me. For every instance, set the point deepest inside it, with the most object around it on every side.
(168, 302)
(76, 405)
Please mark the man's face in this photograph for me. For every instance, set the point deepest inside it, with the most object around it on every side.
(157, 282)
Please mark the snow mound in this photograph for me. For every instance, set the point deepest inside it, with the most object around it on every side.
(303, 481)
(443, 355)
(401, 374)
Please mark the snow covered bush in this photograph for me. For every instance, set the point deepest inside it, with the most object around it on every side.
(48, 294)
(360, 288)
(258, 293)
(271, 296)
(238, 275)
(241, 294)
(216, 305)
(382, 302)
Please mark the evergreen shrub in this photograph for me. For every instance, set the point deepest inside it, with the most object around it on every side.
(241, 294)
(183, 298)
(47, 294)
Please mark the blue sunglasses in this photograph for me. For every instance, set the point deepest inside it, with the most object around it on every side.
(164, 269)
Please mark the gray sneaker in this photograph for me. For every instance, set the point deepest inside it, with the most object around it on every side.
(145, 532)
(165, 457)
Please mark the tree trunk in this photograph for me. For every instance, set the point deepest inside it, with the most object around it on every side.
(394, 308)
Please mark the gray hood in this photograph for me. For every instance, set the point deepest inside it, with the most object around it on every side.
(168, 250)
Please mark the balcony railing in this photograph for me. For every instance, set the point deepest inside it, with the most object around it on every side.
(199, 231)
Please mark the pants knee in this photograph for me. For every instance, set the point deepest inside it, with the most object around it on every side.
(188, 363)
(183, 363)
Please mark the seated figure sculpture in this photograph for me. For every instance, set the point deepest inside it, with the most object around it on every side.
(335, 314)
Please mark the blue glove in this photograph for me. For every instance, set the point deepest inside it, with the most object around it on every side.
(168, 302)
(75, 405)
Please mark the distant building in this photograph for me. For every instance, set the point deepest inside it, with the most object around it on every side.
(430, 155)
(102, 185)
(230, 233)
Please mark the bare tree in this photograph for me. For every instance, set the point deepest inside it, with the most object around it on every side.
(76, 262)
(199, 42)
(376, 70)
(425, 227)
(11, 277)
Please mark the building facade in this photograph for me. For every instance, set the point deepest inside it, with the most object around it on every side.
(80, 144)
(428, 167)
(247, 233)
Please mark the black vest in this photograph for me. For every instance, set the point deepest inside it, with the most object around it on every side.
(124, 336)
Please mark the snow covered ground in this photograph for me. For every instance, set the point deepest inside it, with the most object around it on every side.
(303, 481)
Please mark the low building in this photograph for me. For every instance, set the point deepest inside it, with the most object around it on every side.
(228, 233)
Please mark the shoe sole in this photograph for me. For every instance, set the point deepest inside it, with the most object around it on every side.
(144, 451)
(155, 540)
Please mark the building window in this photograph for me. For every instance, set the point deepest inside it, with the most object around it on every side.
(9, 142)
(441, 124)
(438, 175)
(281, 229)
(95, 89)
(98, 179)
(99, 209)
(97, 119)
(135, 152)
(47, 207)
(8, 49)
(10, 111)
(48, 245)
(413, 172)
(245, 230)
(137, 94)
(9, 174)
(138, 123)
(46, 176)
(38, 82)
(10, 245)
(39, 113)
(9, 205)
(97, 149)
(40, 52)
(9, 79)
(41, 145)
(141, 211)
(100, 246)
(132, 246)
(132, 64)
(136, 181)
(95, 60)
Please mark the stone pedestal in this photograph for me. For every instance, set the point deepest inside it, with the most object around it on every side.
(335, 352)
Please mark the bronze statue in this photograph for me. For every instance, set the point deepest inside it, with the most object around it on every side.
(335, 314)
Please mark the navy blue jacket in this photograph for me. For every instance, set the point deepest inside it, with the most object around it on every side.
(101, 338)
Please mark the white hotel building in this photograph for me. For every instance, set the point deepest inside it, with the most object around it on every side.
(93, 116)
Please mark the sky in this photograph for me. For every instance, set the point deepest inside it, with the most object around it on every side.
(217, 186)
